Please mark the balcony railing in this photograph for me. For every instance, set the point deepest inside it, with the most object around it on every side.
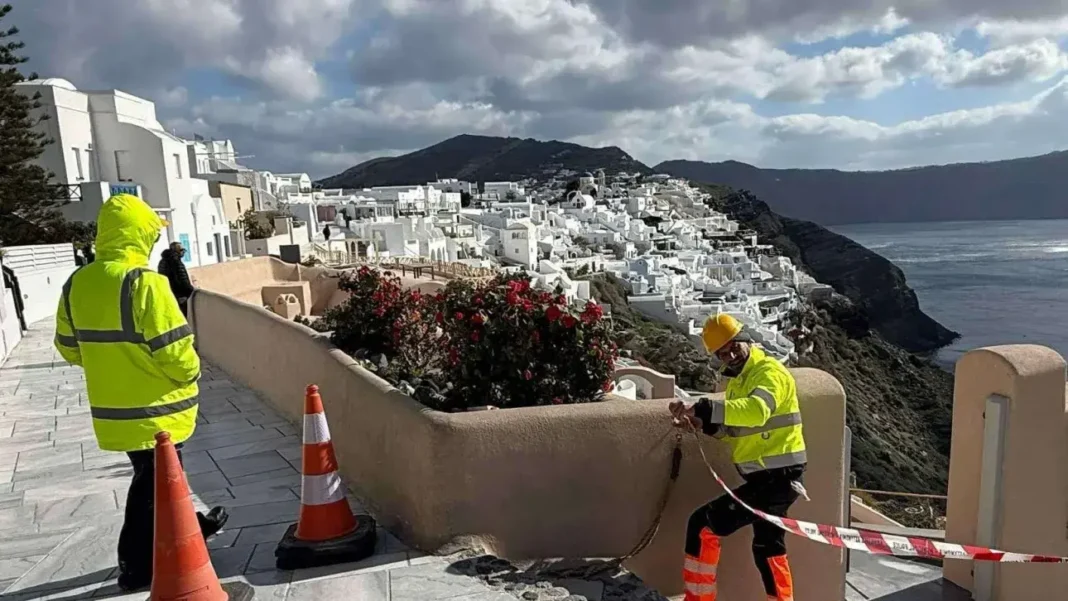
(65, 193)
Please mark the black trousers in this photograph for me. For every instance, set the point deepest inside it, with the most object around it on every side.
(136, 537)
(769, 491)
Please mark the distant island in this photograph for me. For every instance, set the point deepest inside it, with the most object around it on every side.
(1025, 188)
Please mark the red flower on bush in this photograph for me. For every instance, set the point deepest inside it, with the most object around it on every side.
(489, 359)
(553, 313)
(592, 313)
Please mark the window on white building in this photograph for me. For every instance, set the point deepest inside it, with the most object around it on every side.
(122, 158)
(210, 253)
(78, 163)
(89, 165)
(178, 166)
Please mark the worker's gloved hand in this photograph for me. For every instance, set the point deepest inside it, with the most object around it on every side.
(682, 416)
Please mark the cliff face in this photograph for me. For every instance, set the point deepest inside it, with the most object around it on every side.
(871, 282)
(899, 406)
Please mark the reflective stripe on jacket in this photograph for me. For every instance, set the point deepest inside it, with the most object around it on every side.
(760, 416)
(121, 323)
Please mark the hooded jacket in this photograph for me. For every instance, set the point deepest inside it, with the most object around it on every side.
(120, 322)
(171, 266)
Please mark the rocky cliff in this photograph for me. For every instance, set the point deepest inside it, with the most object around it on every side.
(874, 284)
(898, 405)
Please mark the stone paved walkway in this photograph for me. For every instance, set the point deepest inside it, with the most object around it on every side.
(61, 498)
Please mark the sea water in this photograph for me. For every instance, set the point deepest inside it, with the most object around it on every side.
(994, 282)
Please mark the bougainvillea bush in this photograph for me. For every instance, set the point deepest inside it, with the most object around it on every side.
(497, 342)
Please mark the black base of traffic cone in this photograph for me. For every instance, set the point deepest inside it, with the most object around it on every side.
(295, 554)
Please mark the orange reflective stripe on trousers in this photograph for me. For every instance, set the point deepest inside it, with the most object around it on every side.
(784, 580)
(699, 573)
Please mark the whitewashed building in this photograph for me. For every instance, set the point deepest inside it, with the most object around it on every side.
(519, 244)
(110, 141)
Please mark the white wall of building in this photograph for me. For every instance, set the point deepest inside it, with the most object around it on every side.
(42, 270)
(520, 244)
(129, 146)
(10, 329)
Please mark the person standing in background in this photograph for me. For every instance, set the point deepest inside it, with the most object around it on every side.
(12, 281)
(173, 268)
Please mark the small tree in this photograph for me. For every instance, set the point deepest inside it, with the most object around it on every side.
(510, 196)
(260, 225)
(28, 202)
(465, 199)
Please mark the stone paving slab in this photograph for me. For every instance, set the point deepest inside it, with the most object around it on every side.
(61, 497)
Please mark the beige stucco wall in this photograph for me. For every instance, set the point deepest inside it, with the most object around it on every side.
(235, 199)
(574, 481)
(244, 279)
(1034, 475)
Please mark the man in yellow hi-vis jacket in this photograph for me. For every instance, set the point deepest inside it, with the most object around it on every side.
(120, 322)
(761, 421)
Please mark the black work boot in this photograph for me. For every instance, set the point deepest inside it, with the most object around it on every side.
(131, 580)
(213, 522)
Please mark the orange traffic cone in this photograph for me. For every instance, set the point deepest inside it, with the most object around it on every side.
(181, 567)
(327, 531)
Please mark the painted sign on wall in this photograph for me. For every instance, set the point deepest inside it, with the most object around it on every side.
(124, 189)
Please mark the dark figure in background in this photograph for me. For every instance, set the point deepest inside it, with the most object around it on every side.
(87, 252)
(172, 267)
(12, 281)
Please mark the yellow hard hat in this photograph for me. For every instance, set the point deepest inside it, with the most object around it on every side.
(719, 330)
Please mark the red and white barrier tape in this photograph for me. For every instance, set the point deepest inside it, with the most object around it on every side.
(878, 543)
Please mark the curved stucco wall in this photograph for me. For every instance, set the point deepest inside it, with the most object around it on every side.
(1034, 477)
(569, 481)
(243, 279)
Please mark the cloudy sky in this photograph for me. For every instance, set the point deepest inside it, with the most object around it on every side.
(319, 85)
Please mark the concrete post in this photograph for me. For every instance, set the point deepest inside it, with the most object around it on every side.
(1008, 481)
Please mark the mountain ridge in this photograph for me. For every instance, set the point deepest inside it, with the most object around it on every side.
(1021, 188)
(484, 158)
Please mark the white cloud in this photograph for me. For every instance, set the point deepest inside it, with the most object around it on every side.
(685, 78)
(1014, 31)
(141, 44)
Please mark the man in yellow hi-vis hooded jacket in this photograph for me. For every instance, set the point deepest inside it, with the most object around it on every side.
(120, 322)
(760, 419)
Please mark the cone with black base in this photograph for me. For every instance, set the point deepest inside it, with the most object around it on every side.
(327, 532)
